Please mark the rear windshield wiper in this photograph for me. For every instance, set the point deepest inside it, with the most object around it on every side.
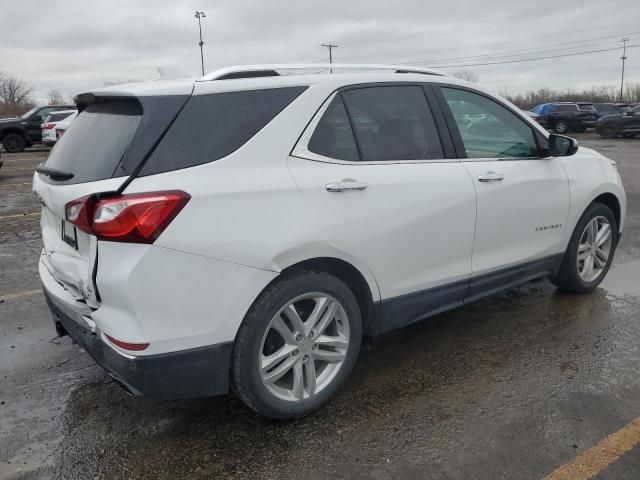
(54, 174)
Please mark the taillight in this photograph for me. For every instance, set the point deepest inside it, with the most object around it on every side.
(48, 126)
(132, 218)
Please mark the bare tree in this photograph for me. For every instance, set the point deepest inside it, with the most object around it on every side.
(466, 75)
(56, 97)
(111, 83)
(15, 95)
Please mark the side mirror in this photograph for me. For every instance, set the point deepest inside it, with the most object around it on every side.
(561, 146)
(629, 113)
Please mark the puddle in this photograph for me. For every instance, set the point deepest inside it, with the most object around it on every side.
(623, 279)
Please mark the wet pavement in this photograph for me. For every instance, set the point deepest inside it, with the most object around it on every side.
(510, 387)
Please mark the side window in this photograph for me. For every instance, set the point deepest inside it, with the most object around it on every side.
(213, 126)
(488, 129)
(333, 136)
(393, 123)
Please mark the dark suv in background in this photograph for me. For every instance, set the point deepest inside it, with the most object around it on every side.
(18, 133)
(626, 124)
(564, 117)
(604, 109)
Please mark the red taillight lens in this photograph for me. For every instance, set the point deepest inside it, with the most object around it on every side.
(48, 126)
(132, 218)
(134, 347)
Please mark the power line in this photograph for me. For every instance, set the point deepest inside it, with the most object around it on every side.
(527, 59)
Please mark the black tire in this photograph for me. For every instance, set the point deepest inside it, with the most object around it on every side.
(567, 277)
(14, 143)
(561, 127)
(608, 131)
(248, 344)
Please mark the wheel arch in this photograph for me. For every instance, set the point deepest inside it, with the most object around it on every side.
(365, 293)
(611, 201)
(9, 130)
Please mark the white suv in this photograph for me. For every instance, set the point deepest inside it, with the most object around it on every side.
(246, 229)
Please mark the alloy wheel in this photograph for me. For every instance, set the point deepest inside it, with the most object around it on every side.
(594, 248)
(304, 347)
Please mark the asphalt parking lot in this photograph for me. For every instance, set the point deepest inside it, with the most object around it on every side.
(523, 385)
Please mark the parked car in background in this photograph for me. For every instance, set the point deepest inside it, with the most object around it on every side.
(626, 124)
(563, 117)
(55, 121)
(17, 134)
(604, 109)
(247, 228)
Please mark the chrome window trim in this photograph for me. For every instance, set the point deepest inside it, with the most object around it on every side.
(302, 151)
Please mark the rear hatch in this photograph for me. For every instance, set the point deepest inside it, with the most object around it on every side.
(103, 146)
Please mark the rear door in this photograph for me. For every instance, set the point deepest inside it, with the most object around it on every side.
(523, 195)
(93, 151)
(373, 173)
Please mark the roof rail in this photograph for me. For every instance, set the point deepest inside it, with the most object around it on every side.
(270, 70)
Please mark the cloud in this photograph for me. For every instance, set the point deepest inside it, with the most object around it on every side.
(80, 44)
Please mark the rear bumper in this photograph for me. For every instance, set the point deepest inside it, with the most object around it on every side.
(196, 372)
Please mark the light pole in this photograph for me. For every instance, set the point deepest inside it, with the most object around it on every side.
(623, 58)
(200, 15)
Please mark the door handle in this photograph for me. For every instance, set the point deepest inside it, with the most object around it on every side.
(490, 177)
(345, 185)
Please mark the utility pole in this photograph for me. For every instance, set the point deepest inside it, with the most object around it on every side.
(330, 47)
(200, 15)
(623, 58)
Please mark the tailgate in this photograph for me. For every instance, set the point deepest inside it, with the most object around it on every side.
(69, 254)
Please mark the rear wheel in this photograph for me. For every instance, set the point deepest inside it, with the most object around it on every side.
(14, 143)
(608, 131)
(297, 345)
(590, 252)
(561, 126)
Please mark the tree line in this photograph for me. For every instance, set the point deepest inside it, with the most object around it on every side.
(16, 95)
(601, 94)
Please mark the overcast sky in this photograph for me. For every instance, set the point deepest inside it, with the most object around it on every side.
(73, 45)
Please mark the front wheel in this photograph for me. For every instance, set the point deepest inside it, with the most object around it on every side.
(297, 345)
(608, 131)
(590, 252)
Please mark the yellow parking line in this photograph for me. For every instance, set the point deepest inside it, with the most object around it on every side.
(20, 215)
(13, 296)
(591, 462)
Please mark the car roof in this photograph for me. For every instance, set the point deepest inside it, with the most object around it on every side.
(247, 77)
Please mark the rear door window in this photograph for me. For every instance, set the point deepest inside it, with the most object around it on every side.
(213, 126)
(333, 136)
(393, 123)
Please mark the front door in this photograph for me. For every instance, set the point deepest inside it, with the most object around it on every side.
(523, 198)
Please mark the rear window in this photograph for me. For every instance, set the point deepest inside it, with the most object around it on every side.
(96, 141)
(213, 126)
(56, 117)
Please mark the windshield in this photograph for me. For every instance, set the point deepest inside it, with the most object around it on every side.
(30, 112)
